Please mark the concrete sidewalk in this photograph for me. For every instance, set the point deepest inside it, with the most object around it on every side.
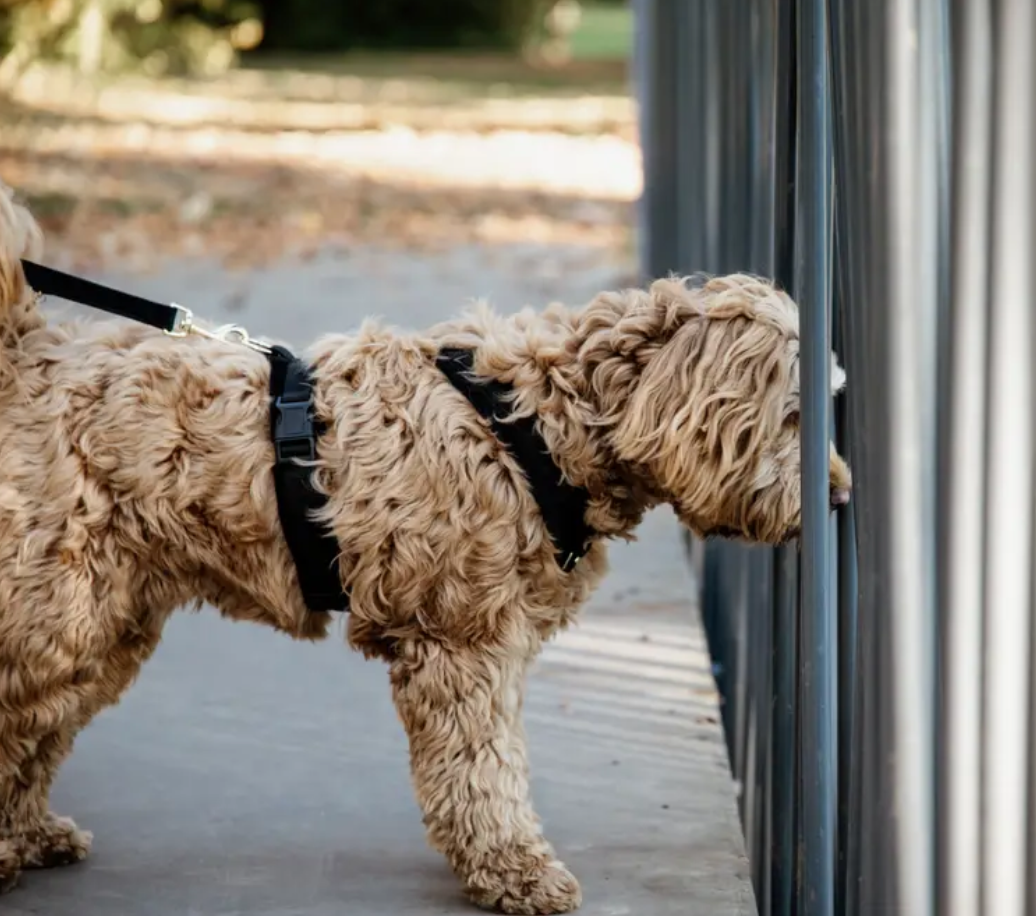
(245, 774)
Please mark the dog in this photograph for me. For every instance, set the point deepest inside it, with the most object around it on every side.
(135, 479)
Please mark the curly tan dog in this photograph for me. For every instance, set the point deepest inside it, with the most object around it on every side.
(135, 479)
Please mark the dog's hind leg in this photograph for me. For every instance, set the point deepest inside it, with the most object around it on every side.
(36, 739)
(461, 710)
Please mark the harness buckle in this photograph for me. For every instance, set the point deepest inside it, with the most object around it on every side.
(293, 435)
(570, 561)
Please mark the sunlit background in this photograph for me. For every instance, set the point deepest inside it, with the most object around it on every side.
(252, 132)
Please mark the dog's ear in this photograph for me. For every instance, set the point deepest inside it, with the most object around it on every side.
(704, 407)
(620, 333)
(665, 404)
(636, 323)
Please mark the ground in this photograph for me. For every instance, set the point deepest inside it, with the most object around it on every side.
(225, 783)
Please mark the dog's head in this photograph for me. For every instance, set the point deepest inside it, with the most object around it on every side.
(712, 417)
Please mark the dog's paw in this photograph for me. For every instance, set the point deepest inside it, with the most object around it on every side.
(543, 888)
(10, 866)
(57, 842)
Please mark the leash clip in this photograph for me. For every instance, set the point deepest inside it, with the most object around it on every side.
(293, 435)
(183, 325)
(183, 322)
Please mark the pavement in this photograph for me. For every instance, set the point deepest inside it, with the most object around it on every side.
(247, 774)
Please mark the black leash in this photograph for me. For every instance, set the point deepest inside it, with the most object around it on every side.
(51, 282)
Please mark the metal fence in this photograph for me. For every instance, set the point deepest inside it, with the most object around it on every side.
(877, 159)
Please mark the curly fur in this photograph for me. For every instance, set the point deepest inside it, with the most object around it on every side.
(135, 479)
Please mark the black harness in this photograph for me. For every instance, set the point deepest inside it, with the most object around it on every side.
(562, 505)
(295, 430)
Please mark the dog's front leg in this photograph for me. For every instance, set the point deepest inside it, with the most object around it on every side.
(31, 836)
(461, 710)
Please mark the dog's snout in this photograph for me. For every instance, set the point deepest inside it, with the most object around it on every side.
(839, 496)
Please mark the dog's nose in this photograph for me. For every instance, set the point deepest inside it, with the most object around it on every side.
(839, 496)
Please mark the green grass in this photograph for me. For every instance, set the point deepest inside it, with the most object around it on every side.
(601, 47)
(605, 32)
(447, 76)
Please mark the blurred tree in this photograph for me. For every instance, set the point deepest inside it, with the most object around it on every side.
(158, 36)
(206, 36)
(324, 25)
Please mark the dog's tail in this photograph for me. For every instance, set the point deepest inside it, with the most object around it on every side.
(20, 237)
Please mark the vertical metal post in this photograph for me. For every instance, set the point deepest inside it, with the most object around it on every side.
(734, 228)
(736, 610)
(927, 56)
(757, 817)
(857, 682)
(655, 61)
(909, 304)
(1030, 888)
(733, 222)
(710, 137)
(690, 89)
(785, 568)
(1009, 484)
(847, 590)
(883, 144)
(962, 499)
(785, 667)
(762, 134)
(818, 749)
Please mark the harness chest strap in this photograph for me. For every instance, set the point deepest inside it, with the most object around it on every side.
(295, 430)
(562, 504)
